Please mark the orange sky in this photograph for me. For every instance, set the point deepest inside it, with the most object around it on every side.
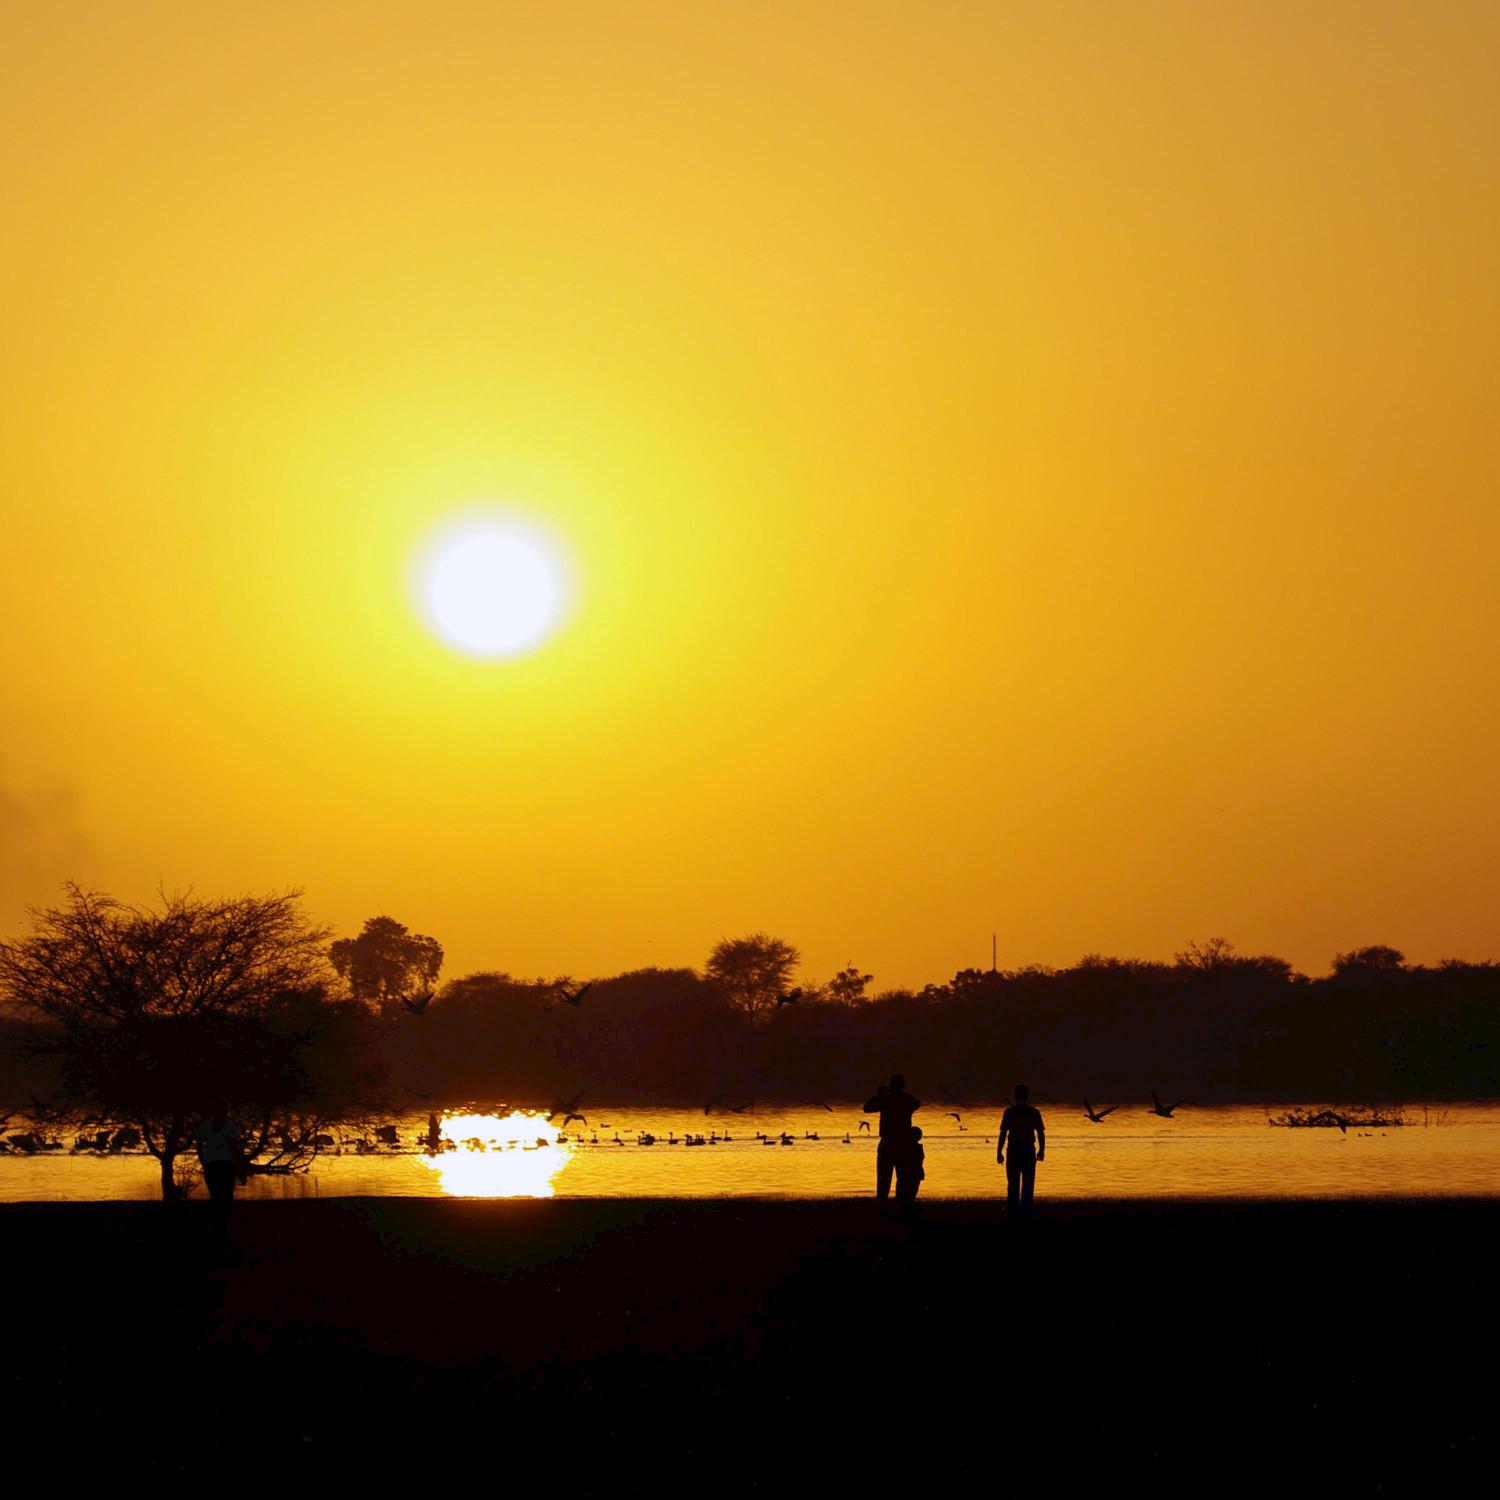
(1026, 468)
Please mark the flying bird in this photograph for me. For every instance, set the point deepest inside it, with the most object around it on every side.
(1164, 1110)
(1088, 1109)
(864, 1124)
(953, 1114)
(818, 1104)
(569, 997)
(416, 1004)
(570, 1117)
(739, 1109)
(790, 999)
(566, 1107)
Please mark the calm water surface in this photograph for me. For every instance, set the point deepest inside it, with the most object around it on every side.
(1226, 1151)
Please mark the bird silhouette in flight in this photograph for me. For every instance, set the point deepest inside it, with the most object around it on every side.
(1098, 1117)
(416, 1004)
(953, 1114)
(864, 1124)
(569, 997)
(570, 1117)
(1164, 1110)
(566, 1107)
(791, 999)
(819, 1104)
(739, 1109)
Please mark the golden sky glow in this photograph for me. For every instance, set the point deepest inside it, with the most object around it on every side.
(1027, 467)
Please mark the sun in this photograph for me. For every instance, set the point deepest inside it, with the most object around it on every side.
(492, 585)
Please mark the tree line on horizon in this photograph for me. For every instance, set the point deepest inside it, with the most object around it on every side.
(117, 1017)
(1211, 1024)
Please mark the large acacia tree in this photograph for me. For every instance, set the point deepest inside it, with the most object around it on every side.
(149, 1015)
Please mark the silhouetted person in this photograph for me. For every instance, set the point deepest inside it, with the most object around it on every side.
(896, 1107)
(910, 1170)
(221, 1153)
(1022, 1125)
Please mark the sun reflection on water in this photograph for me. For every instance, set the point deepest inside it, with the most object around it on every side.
(518, 1155)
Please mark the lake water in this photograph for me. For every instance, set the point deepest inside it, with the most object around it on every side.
(1225, 1151)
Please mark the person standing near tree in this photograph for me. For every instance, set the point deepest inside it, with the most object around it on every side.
(1022, 1125)
(221, 1153)
(895, 1107)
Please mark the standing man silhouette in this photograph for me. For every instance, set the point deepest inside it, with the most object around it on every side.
(895, 1107)
(1022, 1124)
(221, 1152)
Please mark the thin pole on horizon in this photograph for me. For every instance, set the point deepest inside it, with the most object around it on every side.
(992, 953)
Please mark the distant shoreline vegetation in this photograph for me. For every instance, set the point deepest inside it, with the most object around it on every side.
(1340, 1119)
(387, 1034)
(1211, 1025)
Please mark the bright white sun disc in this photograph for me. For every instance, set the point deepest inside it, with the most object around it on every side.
(492, 587)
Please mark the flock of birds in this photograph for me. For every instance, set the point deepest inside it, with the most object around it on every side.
(568, 1111)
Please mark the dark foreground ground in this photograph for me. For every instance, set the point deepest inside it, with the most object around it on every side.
(579, 1347)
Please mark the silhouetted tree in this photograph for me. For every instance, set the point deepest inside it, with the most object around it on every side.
(974, 984)
(1215, 956)
(750, 972)
(1217, 959)
(1376, 959)
(847, 987)
(150, 1015)
(387, 963)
